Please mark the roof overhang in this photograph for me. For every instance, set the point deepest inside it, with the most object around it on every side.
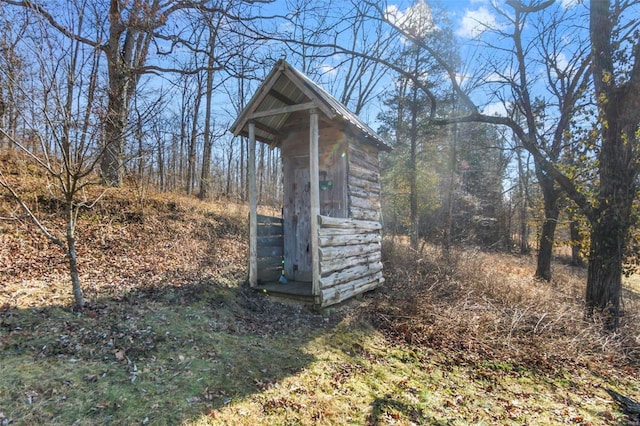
(286, 91)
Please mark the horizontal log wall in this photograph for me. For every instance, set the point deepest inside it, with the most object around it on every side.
(363, 182)
(350, 258)
(270, 247)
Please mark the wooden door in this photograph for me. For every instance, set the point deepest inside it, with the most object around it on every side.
(302, 224)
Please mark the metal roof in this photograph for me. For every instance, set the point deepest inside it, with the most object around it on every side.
(286, 90)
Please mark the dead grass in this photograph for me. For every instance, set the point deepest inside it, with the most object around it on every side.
(171, 335)
(123, 246)
(488, 305)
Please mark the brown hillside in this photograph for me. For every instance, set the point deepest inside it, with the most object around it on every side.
(172, 335)
(124, 242)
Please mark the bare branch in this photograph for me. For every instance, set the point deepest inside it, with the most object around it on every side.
(55, 24)
(28, 212)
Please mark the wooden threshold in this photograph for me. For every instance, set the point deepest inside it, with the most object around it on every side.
(298, 290)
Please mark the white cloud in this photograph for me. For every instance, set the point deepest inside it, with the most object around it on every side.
(328, 69)
(495, 77)
(563, 68)
(568, 4)
(393, 14)
(475, 22)
(417, 18)
(461, 78)
(496, 108)
(562, 61)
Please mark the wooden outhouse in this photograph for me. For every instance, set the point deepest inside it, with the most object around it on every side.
(326, 247)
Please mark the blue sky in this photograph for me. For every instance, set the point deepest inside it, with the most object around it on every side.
(468, 18)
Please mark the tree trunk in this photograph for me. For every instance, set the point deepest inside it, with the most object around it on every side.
(161, 169)
(205, 174)
(413, 173)
(111, 165)
(576, 242)
(525, 248)
(191, 156)
(523, 192)
(611, 220)
(448, 224)
(619, 114)
(72, 256)
(229, 164)
(140, 154)
(604, 281)
(547, 235)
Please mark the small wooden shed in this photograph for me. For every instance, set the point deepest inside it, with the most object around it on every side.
(326, 247)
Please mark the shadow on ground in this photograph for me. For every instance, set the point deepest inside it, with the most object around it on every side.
(158, 355)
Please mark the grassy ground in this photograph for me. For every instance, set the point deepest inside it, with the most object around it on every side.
(172, 336)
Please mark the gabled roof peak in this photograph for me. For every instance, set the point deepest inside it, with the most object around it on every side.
(286, 90)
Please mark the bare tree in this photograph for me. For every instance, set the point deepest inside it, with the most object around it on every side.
(70, 161)
(513, 81)
(357, 80)
(192, 141)
(13, 66)
(131, 29)
(206, 151)
(524, 200)
(614, 62)
(616, 77)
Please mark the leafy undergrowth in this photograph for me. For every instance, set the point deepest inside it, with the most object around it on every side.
(172, 336)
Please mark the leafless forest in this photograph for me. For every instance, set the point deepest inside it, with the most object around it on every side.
(513, 133)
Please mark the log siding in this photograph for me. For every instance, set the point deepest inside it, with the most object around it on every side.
(363, 181)
(350, 258)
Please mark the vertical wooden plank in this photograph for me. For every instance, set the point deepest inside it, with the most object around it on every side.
(303, 241)
(253, 209)
(315, 203)
(288, 206)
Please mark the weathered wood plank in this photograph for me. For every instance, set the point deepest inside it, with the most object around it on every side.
(350, 274)
(253, 208)
(364, 214)
(268, 219)
(359, 192)
(363, 183)
(370, 203)
(354, 284)
(360, 160)
(363, 173)
(341, 296)
(296, 142)
(274, 262)
(339, 263)
(329, 253)
(333, 222)
(366, 150)
(314, 171)
(282, 110)
(270, 241)
(270, 251)
(272, 230)
(345, 294)
(337, 294)
(265, 275)
(344, 240)
(365, 163)
(342, 231)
